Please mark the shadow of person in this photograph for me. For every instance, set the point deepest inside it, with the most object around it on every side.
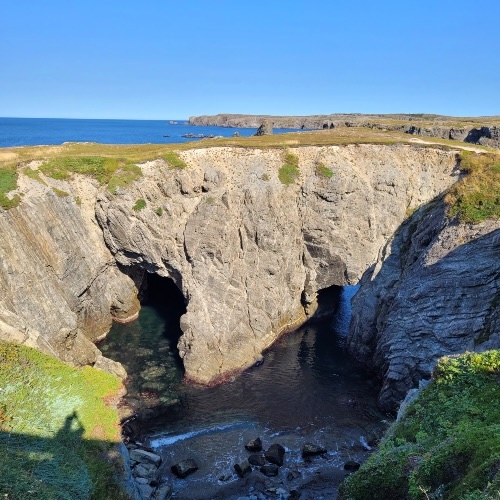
(72, 430)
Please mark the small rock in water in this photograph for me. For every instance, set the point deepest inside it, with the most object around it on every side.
(275, 454)
(257, 460)
(311, 450)
(270, 470)
(184, 468)
(243, 468)
(351, 465)
(254, 445)
(293, 474)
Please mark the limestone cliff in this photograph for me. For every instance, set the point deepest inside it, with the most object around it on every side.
(248, 252)
(434, 291)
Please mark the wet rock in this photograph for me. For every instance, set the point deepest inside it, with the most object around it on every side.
(145, 491)
(311, 450)
(147, 471)
(269, 470)
(141, 480)
(257, 460)
(164, 492)
(144, 456)
(351, 465)
(254, 445)
(293, 474)
(243, 468)
(274, 454)
(184, 468)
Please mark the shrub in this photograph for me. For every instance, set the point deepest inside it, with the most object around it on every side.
(139, 205)
(323, 171)
(159, 211)
(289, 172)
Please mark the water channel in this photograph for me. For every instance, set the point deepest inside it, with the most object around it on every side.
(306, 390)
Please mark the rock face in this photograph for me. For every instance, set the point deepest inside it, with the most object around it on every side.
(434, 291)
(248, 253)
(60, 287)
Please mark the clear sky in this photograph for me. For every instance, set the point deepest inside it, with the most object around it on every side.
(158, 59)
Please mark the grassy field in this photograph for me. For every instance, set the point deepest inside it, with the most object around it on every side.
(57, 434)
(447, 444)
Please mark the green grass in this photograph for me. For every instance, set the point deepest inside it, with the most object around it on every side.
(123, 177)
(476, 197)
(139, 205)
(8, 182)
(159, 211)
(289, 172)
(174, 160)
(98, 167)
(447, 444)
(323, 171)
(55, 428)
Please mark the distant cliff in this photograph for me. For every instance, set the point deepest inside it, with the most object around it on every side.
(472, 130)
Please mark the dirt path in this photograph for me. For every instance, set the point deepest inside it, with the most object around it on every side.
(465, 148)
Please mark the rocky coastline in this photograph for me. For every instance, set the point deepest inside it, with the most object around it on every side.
(484, 131)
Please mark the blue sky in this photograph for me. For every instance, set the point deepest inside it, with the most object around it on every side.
(162, 59)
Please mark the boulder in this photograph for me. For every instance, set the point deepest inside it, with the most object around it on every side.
(266, 128)
(145, 491)
(274, 454)
(352, 466)
(311, 450)
(144, 457)
(184, 468)
(243, 468)
(256, 459)
(164, 492)
(269, 470)
(254, 445)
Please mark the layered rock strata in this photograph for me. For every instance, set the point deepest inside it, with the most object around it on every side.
(248, 253)
(434, 291)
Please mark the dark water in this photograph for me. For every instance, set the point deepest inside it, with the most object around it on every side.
(307, 390)
(53, 131)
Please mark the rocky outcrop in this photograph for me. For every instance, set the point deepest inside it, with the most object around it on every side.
(265, 128)
(248, 253)
(434, 291)
(471, 130)
(60, 287)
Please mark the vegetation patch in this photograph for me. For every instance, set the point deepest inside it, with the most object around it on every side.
(323, 171)
(289, 172)
(447, 444)
(123, 177)
(159, 211)
(55, 429)
(139, 205)
(98, 167)
(8, 182)
(174, 160)
(476, 197)
(34, 174)
(60, 193)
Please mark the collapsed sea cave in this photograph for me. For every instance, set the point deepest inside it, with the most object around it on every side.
(306, 390)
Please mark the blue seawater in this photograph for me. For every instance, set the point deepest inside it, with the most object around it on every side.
(55, 131)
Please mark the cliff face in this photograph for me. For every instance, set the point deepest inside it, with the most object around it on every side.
(434, 291)
(60, 286)
(248, 253)
(471, 130)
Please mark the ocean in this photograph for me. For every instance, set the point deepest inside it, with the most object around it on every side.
(55, 131)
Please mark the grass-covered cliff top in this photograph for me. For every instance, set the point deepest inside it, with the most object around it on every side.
(57, 434)
(447, 443)
(473, 199)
